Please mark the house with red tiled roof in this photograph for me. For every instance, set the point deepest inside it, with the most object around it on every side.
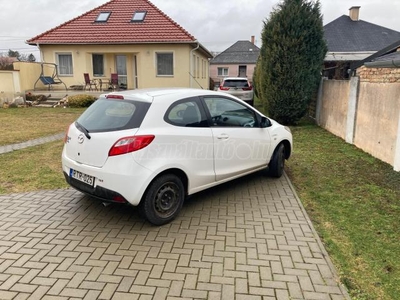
(132, 38)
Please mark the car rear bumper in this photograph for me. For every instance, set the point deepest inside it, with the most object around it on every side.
(121, 179)
(97, 192)
(246, 96)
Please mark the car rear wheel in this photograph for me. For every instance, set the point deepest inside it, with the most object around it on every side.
(277, 163)
(163, 199)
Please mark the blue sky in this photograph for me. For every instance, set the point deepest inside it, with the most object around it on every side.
(217, 24)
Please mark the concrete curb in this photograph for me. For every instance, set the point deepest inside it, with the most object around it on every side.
(30, 143)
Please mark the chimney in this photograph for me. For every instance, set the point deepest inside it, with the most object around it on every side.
(252, 39)
(354, 13)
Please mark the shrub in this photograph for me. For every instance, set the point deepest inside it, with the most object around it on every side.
(292, 54)
(81, 100)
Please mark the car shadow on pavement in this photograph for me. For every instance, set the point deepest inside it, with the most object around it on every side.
(204, 203)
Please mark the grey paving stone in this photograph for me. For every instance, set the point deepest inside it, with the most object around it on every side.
(248, 239)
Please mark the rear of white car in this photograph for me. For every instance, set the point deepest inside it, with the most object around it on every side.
(92, 160)
(239, 87)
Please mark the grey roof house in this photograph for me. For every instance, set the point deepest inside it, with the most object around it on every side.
(239, 60)
(388, 57)
(350, 39)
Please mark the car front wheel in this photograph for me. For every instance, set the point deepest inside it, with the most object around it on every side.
(277, 163)
(163, 199)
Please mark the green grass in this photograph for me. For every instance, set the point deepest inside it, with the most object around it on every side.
(22, 124)
(353, 200)
(33, 168)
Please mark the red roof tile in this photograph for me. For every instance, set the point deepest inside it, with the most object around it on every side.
(157, 27)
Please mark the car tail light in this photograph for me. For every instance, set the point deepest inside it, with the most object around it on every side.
(130, 144)
(115, 97)
(249, 88)
(66, 138)
(222, 88)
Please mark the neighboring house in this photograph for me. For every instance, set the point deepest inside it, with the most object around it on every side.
(239, 60)
(381, 67)
(350, 40)
(388, 57)
(134, 39)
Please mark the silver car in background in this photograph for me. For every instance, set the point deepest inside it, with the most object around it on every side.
(239, 87)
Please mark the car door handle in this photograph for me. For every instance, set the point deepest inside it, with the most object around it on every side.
(223, 136)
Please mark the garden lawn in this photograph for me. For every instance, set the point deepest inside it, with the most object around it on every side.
(31, 169)
(353, 200)
(23, 124)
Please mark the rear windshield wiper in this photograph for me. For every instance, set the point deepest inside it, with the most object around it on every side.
(83, 129)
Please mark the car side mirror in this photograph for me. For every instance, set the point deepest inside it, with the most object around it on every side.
(265, 122)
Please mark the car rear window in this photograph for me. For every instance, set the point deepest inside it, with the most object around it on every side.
(236, 83)
(112, 115)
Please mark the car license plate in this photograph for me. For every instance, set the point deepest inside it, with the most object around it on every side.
(81, 177)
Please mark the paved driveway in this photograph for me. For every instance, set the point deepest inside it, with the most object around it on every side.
(248, 239)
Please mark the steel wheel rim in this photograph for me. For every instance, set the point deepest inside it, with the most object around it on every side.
(167, 199)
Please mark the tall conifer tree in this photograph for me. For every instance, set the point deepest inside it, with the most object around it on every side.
(292, 54)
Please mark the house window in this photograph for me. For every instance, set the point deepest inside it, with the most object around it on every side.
(64, 62)
(98, 64)
(222, 71)
(138, 16)
(165, 64)
(103, 17)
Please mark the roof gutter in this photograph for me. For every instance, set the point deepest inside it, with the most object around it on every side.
(379, 53)
(394, 63)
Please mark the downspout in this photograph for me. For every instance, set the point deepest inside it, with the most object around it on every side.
(40, 52)
(191, 63)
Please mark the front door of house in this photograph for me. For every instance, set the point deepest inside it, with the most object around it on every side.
(120, 61)
(242, 71)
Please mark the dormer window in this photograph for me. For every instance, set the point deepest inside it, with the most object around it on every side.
(139, 16)
(103, 16)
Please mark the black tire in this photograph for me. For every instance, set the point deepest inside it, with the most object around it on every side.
(163, 199)
(277, 163)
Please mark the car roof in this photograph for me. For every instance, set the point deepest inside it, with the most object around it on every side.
(152, 94)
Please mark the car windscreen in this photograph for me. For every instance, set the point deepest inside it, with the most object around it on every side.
(236, 83)
(112, 115)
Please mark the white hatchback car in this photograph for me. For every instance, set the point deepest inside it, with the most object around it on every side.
(239, 87)
(152, 148)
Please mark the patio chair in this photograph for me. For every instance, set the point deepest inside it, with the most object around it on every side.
(89, 83)
(114, 81)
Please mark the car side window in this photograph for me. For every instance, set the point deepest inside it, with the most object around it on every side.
(186, 113)
(227, 112)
